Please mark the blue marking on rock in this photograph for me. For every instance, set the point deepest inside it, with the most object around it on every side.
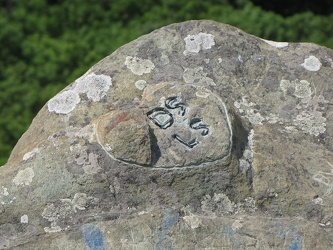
(93, 237)
(231, 234)
(164, 243)
(291, 237)
(296, 243)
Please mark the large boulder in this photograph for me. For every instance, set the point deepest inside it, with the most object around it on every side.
(195, 136)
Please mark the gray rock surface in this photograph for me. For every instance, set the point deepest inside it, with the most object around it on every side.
(195, 136)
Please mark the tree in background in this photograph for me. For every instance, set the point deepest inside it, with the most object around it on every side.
(47, 44)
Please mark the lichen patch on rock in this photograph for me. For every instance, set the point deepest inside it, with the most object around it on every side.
(140, 84)
(198, 42)
(94, 86)
(312, 63)
(64, 102)
(139, 66)
(24, 177)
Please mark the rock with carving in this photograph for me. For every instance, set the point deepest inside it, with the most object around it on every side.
(195, 136)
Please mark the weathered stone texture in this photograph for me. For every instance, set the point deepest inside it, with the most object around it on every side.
(195, 136)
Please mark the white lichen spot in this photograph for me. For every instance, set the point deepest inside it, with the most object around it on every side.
(311, 122)
(24, 219)
(139, 66)
(302, 89)
(196, 43)
(243, 102)
(285, 85)
(4, 192)
(299, 88)
(52, 214)
(318, 201)
(31, 154)
(312, 63)
(64, 103)
(219, 59)
(197, 76)
(240, 58)
(310, 119)
(192, 220)
(94, 86)
(254, 117)
(141, 84)
(80, 201)
(24, 177)
(246, 108)
(276, 44)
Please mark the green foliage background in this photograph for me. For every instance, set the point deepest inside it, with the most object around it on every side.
(47, 44)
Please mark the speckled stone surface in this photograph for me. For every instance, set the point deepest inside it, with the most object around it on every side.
(195, 136)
